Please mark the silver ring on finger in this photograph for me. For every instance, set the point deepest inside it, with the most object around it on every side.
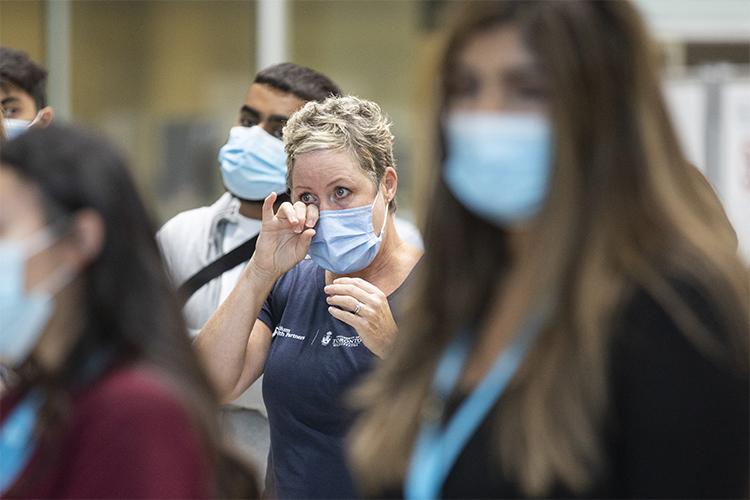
(358, 308)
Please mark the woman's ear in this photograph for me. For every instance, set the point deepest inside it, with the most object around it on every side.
(88, 234)
(390, 179)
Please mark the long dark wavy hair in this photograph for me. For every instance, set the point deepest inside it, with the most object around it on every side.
(129, 311)
(625, 212)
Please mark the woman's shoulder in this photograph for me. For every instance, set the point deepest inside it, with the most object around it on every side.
(665, 353)
(306, 274)
(131, 378)
(131, 420)
(135, 389)
(683, 314)
(677, 405)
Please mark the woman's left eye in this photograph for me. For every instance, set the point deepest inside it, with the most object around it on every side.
(341, 192)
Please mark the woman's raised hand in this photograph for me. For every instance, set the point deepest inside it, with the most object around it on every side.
(284, 237)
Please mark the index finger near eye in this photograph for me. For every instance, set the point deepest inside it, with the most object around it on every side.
(268, 207)
(286, 211)
(358, 282)
(312, 215)
(300, 210)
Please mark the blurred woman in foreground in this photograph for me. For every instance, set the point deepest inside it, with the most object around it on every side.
(582, 324)
(109, 400)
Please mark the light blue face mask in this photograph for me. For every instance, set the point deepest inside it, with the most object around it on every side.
(253, 163)
(499, 164)
(23, 315)
(345, 240)
(15, 127)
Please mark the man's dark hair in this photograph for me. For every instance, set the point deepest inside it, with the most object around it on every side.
(17, 69)
(305, 83)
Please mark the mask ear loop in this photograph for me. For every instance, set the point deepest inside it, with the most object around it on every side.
(385, 215)
(41, 240)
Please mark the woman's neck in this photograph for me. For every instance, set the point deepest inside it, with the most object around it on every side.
(63, 329)
(505, 315)
(383, 271)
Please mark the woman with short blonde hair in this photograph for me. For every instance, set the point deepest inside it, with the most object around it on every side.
(313, 326)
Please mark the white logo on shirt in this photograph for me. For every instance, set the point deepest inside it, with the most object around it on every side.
(280, 331)
(341, 341)
(326, 338)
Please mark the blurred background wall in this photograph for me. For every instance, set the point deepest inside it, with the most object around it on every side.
(164, 79)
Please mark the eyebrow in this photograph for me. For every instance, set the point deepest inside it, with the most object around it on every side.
(334, 181)
(272, 118)
(529, 70)
(338, 180)
(9, 100)
(248, 109)
(277, 118)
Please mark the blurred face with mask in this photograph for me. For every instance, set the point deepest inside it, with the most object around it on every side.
(497, 131)
(23, 96)
(39, 261)
(253, 163)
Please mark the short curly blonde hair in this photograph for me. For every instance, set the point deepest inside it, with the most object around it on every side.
(347, 123)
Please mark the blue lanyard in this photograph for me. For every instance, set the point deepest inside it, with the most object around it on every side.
(438, 446)
(17, 441)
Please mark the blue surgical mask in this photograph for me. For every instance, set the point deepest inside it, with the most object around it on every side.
(499, 164)
(345, 240)
(24, 315)
(253, 163)
(15, 127)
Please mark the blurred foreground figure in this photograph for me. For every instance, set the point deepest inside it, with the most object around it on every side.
(109, 400)
(582, 322)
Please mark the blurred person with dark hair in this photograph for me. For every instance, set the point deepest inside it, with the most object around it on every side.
(23, 92)
(109, 401)
(206, 248)
(581, 323)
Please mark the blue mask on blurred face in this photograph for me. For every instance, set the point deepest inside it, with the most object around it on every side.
(498, 164)
(23, 315)
(345, 240)
(15, 127)
(253, 163)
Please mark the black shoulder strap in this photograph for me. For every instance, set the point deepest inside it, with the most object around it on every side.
(228, 261)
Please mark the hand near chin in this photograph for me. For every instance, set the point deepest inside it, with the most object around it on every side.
(364, 307)
(284, 237)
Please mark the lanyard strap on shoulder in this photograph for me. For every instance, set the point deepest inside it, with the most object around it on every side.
(438, 446)
(17, 441)
(228, 261)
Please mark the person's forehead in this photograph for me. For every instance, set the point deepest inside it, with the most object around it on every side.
(9, 89)
(269, 101)
(318, 168)
(496, 48)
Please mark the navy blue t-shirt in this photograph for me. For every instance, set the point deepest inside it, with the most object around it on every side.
(313, 361)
